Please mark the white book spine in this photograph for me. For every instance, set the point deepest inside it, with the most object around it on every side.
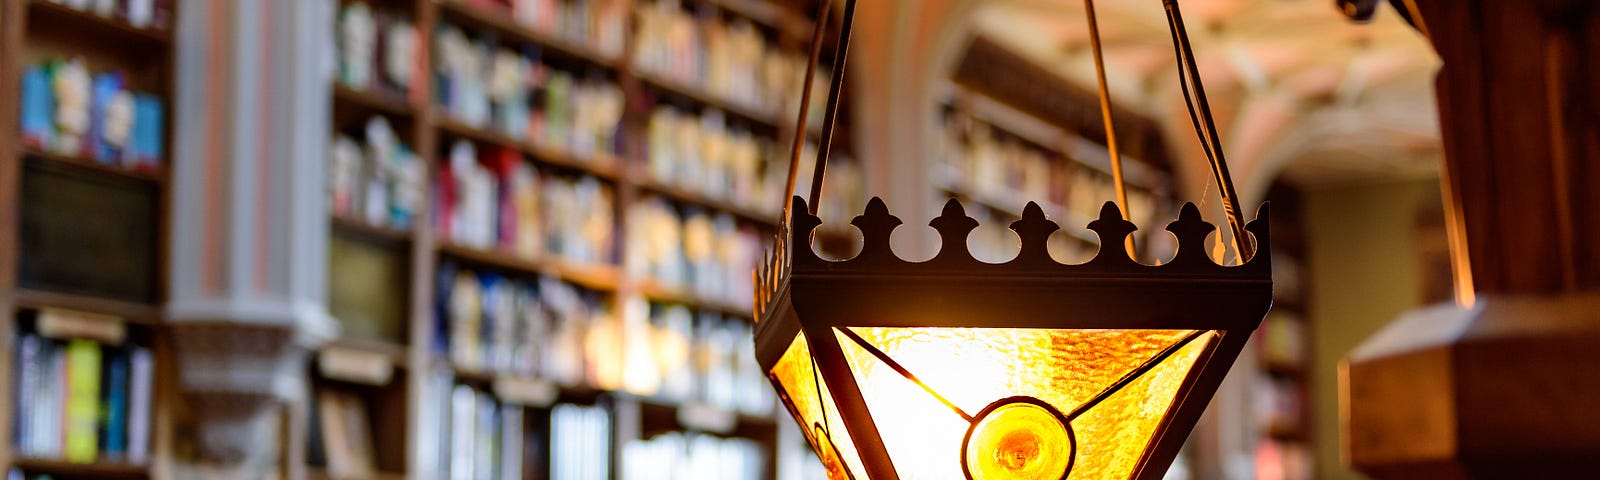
(462, 402)
(141, 386)
(511, 443)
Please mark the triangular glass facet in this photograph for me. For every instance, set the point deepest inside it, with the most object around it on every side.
(927, 387)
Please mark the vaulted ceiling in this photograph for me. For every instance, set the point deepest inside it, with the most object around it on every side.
(1298, 89)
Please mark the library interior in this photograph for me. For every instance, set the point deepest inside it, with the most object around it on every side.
(685, 239)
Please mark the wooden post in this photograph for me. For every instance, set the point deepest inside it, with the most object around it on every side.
(1501, 384)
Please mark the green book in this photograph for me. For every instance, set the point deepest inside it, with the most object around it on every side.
(83, 402)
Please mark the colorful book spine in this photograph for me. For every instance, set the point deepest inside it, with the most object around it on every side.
(114, 429)
(81, 432)
(38, 108)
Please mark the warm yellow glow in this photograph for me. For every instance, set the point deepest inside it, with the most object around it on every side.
(795, 375)
(973, 368)
(1019, 441)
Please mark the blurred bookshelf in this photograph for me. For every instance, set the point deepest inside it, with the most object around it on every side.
(543, 219)
(84, 187)
(997, 158)
(1284, 343)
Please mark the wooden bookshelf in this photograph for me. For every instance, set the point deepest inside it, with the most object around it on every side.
(33, 32)
(601, 166)
(48, 14)
(130, 312)
(371, 101)
(87, 166)
(367, 231)
(673, 88)
(689, 197)
(499, 21)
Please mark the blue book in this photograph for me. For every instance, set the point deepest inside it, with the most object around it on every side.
(115, 433)
(146, 145)
(38, 107)
(104, 88)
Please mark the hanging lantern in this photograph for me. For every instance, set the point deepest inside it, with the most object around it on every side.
(1028, 369)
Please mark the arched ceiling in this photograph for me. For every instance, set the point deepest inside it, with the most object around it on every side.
(1297, 88)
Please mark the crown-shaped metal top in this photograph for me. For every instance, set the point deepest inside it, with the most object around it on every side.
(793, 255)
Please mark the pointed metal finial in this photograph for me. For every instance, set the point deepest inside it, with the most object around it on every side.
(1034, 230)
(877, 226)
(1191, 231)
(953, 226)
(1113, 232)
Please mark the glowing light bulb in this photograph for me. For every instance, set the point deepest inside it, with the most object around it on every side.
(1019, 439)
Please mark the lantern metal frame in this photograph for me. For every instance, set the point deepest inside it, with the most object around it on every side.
(801, 293)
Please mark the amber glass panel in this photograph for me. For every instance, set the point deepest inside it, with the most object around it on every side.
(795, 377)
(973, 368)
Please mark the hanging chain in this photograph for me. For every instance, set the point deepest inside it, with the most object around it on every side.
(1194, 91)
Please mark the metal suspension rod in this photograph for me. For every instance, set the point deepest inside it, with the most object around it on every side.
(820, 26)
(1105, 114)
(832, 115)
(1189, 74)
(1105, 109)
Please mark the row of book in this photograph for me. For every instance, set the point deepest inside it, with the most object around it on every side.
(704, 253)
(81, 401)
(70, 110)
(707, 154)
(513, 92)
(987, 162)
(598, 24)
(495, 325)
(378, 49)
(497, 200)
(156, 14)
(688, 358)
(677, 456)
(733, 58)
(380, 181)
(479, 437)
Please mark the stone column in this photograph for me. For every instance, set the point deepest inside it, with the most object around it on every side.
(249, 226)
(1503, 382)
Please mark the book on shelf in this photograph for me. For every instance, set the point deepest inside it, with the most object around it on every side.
(492, 324)
(82, 401)
(515, 93)
(482, 435)
(378, 180)
(378, 50)
(708, 154)
(71, 111)
(584, 448)
(708, 255)
(731, 58)
(345, 434)
(498, 202)
(676, 455)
